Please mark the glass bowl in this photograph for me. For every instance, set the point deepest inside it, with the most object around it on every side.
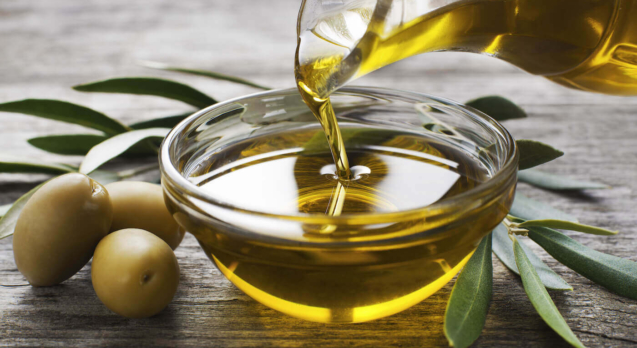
(377, 264)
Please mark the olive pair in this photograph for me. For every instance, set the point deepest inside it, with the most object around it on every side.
(134, 270)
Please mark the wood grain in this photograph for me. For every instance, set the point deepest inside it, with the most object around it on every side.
(48, 46)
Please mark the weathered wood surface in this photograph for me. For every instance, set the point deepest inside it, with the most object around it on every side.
(48, 46)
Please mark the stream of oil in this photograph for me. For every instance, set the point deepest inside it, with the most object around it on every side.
(589, 45)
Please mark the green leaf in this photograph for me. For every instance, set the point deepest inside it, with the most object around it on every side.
(616, 274)
(556, 182)
(469, 301)
(67, 144)
(568, 225)
(23, 165)
(9, 220)
(4, 209)
(105, 177)
(503, 249)
(530, 209)
(81, 144)
(515, 219)
(352, 137)
(150, 86)
(65, 112)
(117, 145)
(533, 153)
(497, 107)
(540, 297)
(206, 73)
(162, 122)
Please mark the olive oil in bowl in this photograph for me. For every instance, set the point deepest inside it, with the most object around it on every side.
(254, 180)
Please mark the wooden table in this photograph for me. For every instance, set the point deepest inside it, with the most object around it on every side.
(48, 46)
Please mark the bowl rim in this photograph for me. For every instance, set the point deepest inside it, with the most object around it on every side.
(174, 177)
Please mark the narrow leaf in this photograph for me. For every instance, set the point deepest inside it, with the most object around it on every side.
(67, 144)
(162, 122)
(150, 86)
(105, 177)
(206, 73)
(469, 301)
(540, 297)
(9, 220)
(22, 165)
(66, 112)
(352, 137)
(556, 182)
(533, 153)
(568, 225)
(530, 209)
(117, 145)
(4, 209)
(497, 107)
(616, 274)
(503, 249)
(515, 219)
(81, 144)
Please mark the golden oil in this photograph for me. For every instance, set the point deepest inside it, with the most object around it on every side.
(589, 45)
(391, 171)
(360, 267)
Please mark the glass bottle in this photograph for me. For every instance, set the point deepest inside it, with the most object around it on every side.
(583, 44)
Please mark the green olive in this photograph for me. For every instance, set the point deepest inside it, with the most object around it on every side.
(141, 205)
(135, 273)
(59, 228)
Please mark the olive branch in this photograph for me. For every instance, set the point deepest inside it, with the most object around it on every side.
(468, 304)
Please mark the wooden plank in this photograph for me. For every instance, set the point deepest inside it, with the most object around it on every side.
(49, 46)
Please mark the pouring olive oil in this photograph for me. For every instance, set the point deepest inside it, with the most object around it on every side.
(378, 266)
(283, 174)
(589, 45)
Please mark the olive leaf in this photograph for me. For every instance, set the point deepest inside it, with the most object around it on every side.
(105, 177)
(150, 86)
(614, 273)
(529, 209)
(9, 165)
(66, 112)
(162, 122)
(22, 165)
(115, 146)
(515, 219)
(497, 107)
(10, 218)
(67, 144)
(556, 182)
(469, 301)
(206, 73)
(503, 249)
(4, 209)
(80, 144)
(540, 297)
(568, 225)
(352, 137)
(533, 153)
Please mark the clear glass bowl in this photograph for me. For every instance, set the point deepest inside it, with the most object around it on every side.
(378, 264)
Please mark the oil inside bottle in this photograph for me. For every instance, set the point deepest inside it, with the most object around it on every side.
(589, 45)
